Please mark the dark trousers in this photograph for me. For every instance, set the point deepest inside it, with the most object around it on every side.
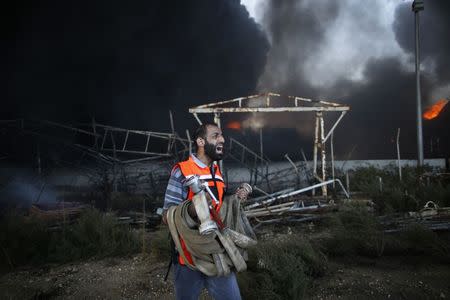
(189, 284)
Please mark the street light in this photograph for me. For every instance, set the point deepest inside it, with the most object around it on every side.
(416, 7)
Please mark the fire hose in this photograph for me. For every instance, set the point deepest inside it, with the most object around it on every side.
(215, 249)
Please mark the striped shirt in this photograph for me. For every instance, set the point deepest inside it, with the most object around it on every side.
(176, 192)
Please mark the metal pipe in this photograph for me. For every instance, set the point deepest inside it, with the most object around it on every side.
(323, 155)
(261, 144)
(172, 126)
(398, 155)
(197, 118)
(189, 141)
(125, 142)
(265, 109)
(146, 144)
(416, 7)
(335, 124)
(347, 182)
(316, 140)
(293, 193)
(332, 158)
(217, 121)
(291, 162)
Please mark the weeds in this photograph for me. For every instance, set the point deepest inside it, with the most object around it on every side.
(281, 269)
(354, 231)
(160, 244)
(417, 240)
(390, 194)
(29, 241)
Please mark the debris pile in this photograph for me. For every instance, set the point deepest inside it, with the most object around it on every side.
(430, 216)
(290, 205)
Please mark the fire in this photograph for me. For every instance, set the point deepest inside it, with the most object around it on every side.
(234, 125)
(434, 110)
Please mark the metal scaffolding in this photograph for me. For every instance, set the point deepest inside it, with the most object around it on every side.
(272, 102)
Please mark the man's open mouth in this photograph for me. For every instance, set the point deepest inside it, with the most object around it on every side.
(219, 148)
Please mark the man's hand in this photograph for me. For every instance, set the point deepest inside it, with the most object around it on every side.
(243, 191)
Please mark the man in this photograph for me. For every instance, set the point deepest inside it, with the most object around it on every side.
(210, 148)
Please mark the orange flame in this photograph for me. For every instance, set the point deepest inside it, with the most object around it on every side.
(234, 125)
(434, 110)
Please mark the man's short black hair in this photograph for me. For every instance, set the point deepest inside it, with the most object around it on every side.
(201, 131)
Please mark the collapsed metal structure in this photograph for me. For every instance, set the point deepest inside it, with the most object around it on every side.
(120, 154)
(272, 103)
(108, 143)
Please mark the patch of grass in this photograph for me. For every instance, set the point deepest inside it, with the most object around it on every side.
(22, 240)
(418, 240)
(353, 231)
(160, 246)
(94, 234)
(29, 241)
(281, 269)
(393, 195)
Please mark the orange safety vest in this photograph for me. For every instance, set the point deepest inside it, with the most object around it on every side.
(189, 168)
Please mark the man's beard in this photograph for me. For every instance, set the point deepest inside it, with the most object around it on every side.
(210, 150)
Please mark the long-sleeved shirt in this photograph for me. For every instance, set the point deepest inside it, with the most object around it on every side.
(176, 192)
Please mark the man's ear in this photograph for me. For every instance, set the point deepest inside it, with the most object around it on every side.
(200, 142)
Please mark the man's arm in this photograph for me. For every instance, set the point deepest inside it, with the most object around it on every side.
(175, 192)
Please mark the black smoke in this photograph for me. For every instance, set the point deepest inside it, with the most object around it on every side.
(127, 63)
(383, 100)
(434, 32)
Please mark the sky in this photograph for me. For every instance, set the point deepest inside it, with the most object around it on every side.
(128, 63)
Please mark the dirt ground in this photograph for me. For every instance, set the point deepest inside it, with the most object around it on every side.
(139, 277)
(142, 277)
(135, 277)
(383, 278)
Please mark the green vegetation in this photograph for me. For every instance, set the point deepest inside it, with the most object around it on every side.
(29, 241)
(395, 195)
(281, 269)
(354, 231)
(160, 244)
(284, 267)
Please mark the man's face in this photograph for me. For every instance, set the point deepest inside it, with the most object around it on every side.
(214, 143)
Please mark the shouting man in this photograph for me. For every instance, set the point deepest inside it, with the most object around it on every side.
(209, 142)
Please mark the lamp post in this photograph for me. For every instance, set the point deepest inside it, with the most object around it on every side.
(416, 7)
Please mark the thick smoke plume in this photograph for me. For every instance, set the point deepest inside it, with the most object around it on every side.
(128, 63)
(361, 55)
